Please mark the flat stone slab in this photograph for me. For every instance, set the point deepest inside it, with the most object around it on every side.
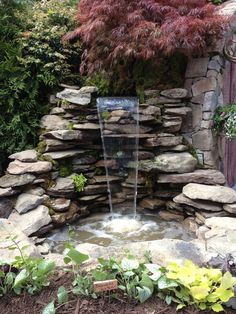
(202, 205)
(226, 223)
(35, 191)
(86, 126)
(63, 185)
(8, 180)
(84, 160)
(54, 145)
(29, 155)
(170, 216)
(230, 208)
(163, 141)
(77, 97)
(163, 251)
(103, 179)
(150, 110)
(176, 93)
(88, 89)
(127, 128)
(182, 111)
(31, 221)
(220, 194)
(170, 162)
(161, 100)
(10, 229)
(26, 202)
(64, 135)
(18, 167)
(198, 176)
(8, 192)
(204, 85)
(152, 203)
(64, 154)
(53, 122)
(60, 204)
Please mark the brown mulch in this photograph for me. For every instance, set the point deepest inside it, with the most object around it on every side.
(27, 304)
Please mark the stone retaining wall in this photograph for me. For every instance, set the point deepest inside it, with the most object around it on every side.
(204, 81)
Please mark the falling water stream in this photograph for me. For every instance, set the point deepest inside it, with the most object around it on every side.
(119, 124)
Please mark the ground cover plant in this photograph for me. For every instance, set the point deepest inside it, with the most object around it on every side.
(186, 285)
(24, 273)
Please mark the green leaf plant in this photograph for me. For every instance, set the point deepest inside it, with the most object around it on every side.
(24, 273)
(203, 287)
(79, 182)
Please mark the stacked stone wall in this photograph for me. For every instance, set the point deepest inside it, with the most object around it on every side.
(38, 193)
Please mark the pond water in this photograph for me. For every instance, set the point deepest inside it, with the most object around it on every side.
(102, 229)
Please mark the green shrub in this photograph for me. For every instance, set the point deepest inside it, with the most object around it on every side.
(33, 60)
(25, 273)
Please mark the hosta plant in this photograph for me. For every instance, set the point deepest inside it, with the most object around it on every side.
(206, 288)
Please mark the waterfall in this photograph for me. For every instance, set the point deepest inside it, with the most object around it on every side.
(119, 124)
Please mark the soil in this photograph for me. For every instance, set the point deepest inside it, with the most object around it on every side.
(27, 304)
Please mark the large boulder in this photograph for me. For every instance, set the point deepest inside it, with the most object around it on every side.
(220, 194)
(206, 176)
(26, 202)
(31, 221)
(163, 251)
(170, 162)
(8, 231)
(18, 167)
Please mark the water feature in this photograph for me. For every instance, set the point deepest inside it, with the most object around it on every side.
(119, 124)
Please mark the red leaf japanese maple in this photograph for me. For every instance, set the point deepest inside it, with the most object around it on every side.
(121, 31)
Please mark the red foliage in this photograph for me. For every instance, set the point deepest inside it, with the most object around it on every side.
(115, 31)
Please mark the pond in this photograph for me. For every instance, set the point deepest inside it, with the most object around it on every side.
(104, 230)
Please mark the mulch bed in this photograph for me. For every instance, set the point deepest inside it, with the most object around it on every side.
(27, 304)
